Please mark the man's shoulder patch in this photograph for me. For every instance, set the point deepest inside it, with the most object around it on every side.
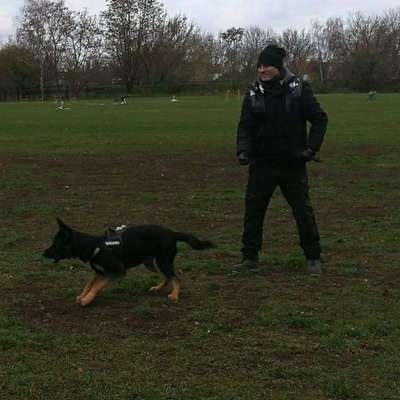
(255, 88)
(295, 87)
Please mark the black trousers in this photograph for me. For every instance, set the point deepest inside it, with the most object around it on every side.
(293, 182)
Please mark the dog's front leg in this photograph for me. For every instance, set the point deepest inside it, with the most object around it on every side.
(99, 284)
(176, 289)
(86, 289)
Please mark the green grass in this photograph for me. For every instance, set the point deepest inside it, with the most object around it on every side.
(277, 334)
(206, 121)
(111, 128)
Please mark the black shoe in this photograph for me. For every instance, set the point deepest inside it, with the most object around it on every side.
(245, 266)
(314, 267)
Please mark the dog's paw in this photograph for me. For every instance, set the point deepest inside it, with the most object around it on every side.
(173, 297)
(78, 299)
(84, 301)
(158, 287)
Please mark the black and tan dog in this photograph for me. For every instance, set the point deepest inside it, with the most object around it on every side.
(110, 255)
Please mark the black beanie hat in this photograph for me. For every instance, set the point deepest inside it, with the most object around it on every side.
(272, 55)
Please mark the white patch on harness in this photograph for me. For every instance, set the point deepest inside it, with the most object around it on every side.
(120, 228)
(112, 243)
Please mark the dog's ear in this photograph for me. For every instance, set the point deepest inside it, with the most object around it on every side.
(62, 226)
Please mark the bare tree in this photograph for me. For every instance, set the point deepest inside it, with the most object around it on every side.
(232, 43)
(362, 49)
(391, 28)
(44, 28)
(366, 49)
(337, 46)
(175, 52)
(254, 40)
(83, 51)
(32, 32)
(299, 48)
(215, 48)
(143, 44)
(128, 25)
(320, 40)
(209, 57)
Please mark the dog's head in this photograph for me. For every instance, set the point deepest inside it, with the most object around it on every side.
(61, 248)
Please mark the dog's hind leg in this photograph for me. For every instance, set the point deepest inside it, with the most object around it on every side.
(86, 289)
(99, 284)
(176, 289)
(166, 265)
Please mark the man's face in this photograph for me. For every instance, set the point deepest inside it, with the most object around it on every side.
(267, 72)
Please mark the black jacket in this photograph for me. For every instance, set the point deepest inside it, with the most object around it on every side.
(273, 122)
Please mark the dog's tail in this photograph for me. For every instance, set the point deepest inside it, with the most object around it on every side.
(193, 241)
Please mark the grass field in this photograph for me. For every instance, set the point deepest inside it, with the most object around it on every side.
(278, 334)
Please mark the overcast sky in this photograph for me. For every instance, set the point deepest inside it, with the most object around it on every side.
(217, 15)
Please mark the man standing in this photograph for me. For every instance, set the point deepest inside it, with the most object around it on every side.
(272, 137)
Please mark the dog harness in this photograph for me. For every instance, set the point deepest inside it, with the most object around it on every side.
(112, 241)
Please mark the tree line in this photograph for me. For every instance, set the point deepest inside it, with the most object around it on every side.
(136, 43)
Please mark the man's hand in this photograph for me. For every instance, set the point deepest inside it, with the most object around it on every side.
(243, 158)
(309, 155)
